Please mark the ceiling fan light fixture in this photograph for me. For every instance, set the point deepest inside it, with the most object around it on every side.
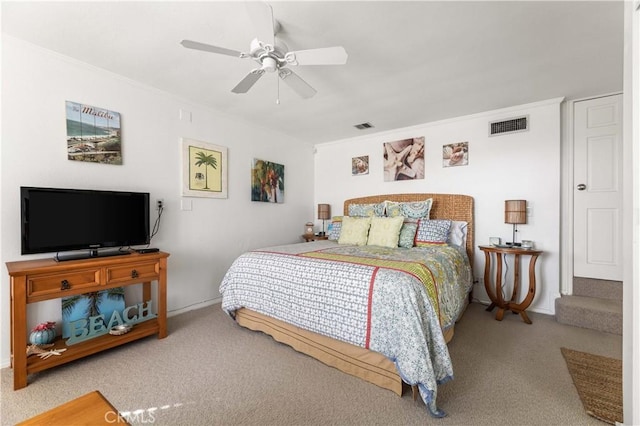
(269, 64)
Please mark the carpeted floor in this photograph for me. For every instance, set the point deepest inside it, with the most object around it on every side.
(598, 380)
(209, 371)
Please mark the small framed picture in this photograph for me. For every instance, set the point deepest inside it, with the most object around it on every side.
(455, 154)
(360, 165)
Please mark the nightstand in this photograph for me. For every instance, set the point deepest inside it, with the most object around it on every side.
(308, 238)
(494, 290)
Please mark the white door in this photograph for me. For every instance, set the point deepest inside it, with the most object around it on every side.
(597, 191)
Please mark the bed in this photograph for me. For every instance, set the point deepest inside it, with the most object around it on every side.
(326, 333)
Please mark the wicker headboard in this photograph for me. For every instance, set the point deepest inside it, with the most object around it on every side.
(445, 206)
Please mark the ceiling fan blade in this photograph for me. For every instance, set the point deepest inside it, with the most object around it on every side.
(300, 86)
(210, 48)
(323, 56)
(261, 15)
(248, 81)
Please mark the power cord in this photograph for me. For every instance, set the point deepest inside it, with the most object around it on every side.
(156, 225)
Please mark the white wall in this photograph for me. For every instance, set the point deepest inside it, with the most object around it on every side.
(631, 208)
(204, 241)
(522, 165)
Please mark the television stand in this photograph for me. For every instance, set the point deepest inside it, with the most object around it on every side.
(45, 279)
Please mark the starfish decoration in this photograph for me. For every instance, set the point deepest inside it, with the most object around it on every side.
(42, 352)
(395, 162)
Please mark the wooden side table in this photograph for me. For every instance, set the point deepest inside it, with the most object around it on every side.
(496, 296)
(308, 238)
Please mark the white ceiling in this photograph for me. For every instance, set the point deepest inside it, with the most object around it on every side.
(409, 62)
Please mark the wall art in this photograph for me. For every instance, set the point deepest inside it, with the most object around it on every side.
(455, 154)
(404, 159)
(93, 134)
(204, 169)
(83, 306)
(267, 181)
(360, 165)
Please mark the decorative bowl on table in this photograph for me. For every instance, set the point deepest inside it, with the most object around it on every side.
(119, 330)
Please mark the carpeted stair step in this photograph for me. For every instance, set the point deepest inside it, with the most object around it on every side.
(604, 289)
(590, 312)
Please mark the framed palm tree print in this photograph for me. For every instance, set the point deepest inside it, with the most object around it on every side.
(204, 169)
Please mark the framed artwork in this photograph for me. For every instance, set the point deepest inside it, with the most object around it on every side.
(267, 181)
(404, 159)
(455, 154)
(360, 165)
(204, 169)
(93, 134)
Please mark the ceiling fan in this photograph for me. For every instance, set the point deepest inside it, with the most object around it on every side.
(272, 55)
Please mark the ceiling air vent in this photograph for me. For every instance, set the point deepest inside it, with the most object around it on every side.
(512, 125)
(363, 126)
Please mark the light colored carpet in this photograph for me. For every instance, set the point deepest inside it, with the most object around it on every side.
(598, 380)
(210, 371)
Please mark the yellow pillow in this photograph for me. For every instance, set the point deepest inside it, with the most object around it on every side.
(385, 231)
(354, 230)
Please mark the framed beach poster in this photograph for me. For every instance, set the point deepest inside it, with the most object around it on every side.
(93, 134)
(204, 169)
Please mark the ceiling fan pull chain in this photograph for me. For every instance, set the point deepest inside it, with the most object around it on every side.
(278, 94)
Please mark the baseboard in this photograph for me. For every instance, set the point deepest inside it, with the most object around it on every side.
(195, 306)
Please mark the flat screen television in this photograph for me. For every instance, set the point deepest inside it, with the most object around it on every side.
(63, 220)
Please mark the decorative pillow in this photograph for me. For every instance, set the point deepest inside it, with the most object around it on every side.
(385, 231)
(334, 228)
(408, 233)
(355, 230)
(414, 210)
(432, 232)
(458, 233)
(364, 210)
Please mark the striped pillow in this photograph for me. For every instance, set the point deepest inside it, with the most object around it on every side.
(432, 232)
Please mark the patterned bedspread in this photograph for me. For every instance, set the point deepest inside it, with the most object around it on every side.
(392, 301)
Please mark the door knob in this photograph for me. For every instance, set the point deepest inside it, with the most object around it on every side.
(582, 187)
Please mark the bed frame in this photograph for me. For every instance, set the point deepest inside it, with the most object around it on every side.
(363, 363)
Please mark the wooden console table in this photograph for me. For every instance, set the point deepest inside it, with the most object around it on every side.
(45, 279)
(496, 295)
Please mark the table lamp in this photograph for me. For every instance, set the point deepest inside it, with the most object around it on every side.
(515, 213)
(324, 213)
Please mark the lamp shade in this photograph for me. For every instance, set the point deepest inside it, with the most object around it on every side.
(324, 211)
(515, 211)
